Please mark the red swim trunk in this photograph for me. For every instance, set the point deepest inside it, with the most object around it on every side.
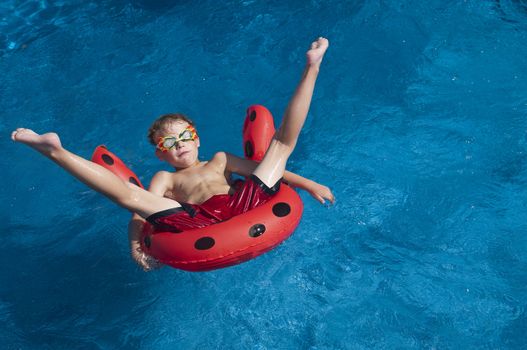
(218, 208)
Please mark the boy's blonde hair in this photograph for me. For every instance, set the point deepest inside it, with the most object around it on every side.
(163, 121)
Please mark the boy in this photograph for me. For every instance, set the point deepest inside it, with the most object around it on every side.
(198, 193)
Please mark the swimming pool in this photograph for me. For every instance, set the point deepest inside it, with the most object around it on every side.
(418, 124)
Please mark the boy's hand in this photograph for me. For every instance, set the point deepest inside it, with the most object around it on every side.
(145, 261)
(321, 193)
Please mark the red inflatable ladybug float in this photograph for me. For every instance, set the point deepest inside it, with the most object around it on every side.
(230, 242)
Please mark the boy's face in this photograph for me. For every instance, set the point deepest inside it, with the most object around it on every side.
(184, 153)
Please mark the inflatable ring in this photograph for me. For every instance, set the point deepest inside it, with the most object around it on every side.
(110, 161)
(230, 242)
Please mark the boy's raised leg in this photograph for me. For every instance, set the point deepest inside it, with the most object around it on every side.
(95, 176)
(272, 167)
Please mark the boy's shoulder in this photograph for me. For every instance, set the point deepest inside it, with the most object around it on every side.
(219, 156)
(161, 182)
(162, 176)
(219, 161)
(224, 156)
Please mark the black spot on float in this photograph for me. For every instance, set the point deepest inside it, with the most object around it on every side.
(252, 117)
(281, 209)
(204, 243)
(133, 180)
(107, 159)
(249, 150)
(148, 241)
(257, 230)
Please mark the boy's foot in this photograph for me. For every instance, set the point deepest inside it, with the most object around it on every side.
(317, 51)
(45, 143)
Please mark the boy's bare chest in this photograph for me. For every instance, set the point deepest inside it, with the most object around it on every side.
(198, 185)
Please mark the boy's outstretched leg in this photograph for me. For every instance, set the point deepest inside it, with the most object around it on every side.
(95, 176)
(272, 167)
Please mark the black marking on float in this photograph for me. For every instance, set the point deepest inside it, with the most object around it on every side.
(204, 243)
(133, 180)
(107, 159)
(249, 150)
(252, 117)
(148, 241)
(257, 230)
(281, 209)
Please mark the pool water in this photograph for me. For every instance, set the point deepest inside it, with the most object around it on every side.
(418, 125)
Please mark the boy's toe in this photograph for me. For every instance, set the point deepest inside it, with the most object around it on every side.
(15, 133)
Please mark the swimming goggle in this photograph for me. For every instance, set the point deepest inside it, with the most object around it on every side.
(167, 142)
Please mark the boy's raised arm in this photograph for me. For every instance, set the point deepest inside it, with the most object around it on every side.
(246, 167)
(316, 190)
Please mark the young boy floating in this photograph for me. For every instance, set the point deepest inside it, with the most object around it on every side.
(201, 186)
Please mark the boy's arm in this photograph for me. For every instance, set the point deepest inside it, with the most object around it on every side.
(318, 191)
(245, 167)
(135, 227)
(158, 186)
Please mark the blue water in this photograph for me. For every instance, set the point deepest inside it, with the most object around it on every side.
(418, 124)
